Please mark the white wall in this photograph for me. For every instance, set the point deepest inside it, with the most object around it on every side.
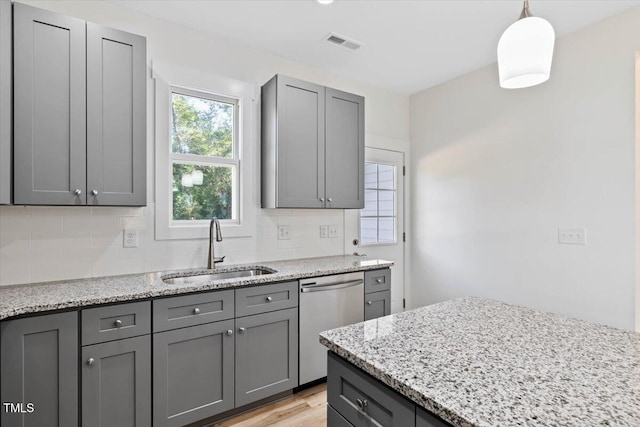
(495, 173)
(44, 243)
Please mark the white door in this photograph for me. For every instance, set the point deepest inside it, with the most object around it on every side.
(380, 225)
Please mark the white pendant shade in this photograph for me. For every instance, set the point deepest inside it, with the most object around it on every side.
(525, 52)
(197, 177)
(187, 180)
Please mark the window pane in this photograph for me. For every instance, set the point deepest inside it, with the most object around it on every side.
(386, 175)
(386, 203)
(201, 126)
(202, 192)
(370, 203)
(368, 230)
(370, 175)
(386, 230)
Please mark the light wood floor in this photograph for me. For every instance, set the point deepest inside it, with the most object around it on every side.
(307, 408)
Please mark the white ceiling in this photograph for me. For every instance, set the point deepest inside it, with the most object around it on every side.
(408, 45)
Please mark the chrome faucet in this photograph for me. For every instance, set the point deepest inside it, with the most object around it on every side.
(214, 227)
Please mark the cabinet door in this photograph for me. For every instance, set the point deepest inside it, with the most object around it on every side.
(425, 419)
(377, 304)
(40, 366)
(193, 372)
(300, 145)
(266, 355)
(5, 101)
(344, 150)
(49, 108)
(116, 117)
(116, 383)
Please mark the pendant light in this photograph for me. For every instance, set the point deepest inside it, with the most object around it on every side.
(525, 51)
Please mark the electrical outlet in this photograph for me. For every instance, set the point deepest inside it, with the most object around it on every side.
(324, 231)
(284, 232)
(333, 231)
(572, 236)
(130, 238)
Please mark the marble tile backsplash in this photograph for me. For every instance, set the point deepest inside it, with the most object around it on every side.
(55, 243)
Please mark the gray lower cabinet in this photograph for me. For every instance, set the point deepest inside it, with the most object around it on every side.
(39, 366)
(193, 373)
(377, 304)
(79, 112)
(425, 419)
(49, 108)
(116, 383)
(344, 153)
(266, 355)
(6, 111)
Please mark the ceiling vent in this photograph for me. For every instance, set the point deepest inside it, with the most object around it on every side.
(343, 41)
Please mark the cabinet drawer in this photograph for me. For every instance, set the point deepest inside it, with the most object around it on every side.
(261, 299)
(115, 322)
(334, 419)
(364, 401)
(377, 280)
(377, 304)
(191, 310)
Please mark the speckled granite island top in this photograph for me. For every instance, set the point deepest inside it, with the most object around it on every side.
(38, 297)
(479, 362)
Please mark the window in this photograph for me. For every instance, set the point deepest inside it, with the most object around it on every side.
(378, 218)
(205, 152)
(204, 156)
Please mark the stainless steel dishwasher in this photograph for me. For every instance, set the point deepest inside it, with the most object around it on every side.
(326, 303)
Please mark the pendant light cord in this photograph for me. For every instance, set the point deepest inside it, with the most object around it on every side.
(525, 10)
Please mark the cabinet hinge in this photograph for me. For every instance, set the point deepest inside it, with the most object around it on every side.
(404, 303)
(404, 170)
(404, 236)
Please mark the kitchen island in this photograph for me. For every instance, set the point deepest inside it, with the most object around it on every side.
(479, 362)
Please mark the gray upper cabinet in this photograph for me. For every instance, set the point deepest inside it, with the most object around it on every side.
(312, 146)
(49, 108)
(266, 355)
(193, 373)
(116, 117)
(79, 112)
(344, 150)
(39, 365)
(6, 120)
(116, 383)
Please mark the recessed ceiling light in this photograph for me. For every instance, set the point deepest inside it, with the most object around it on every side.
(324, 1)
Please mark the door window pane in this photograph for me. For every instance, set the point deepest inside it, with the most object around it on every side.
(378, 218)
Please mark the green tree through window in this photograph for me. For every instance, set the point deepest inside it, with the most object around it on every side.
(203, 156)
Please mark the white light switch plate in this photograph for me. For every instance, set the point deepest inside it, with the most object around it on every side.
(130, 237)
(324, 231)
(284, 232)
(572, 236)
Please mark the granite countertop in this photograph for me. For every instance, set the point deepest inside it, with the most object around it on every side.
(479, 362)
(38, 297)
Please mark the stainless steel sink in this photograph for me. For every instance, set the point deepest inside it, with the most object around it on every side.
(210, 277)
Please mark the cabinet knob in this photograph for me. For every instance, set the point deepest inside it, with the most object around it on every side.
(229, 332)
(94, 192)
(329, 199)
(369, 302)
(91, 361)
(118, 323)
(362, 403)
(196, 310)
(378, 280)
(77, 192)
(269, 299)
(241, 330)
(322, 199)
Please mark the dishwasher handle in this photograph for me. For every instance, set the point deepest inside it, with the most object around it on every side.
(330, 286)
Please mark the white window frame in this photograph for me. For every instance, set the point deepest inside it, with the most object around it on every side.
(169, 79)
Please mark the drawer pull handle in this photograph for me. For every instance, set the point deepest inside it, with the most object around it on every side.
(196, 310)
(269, 299)
(241, 330)
(369, 302)
(117, 323)
(378, 280)
(91, 361)
(230, 332)
(362, 404)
